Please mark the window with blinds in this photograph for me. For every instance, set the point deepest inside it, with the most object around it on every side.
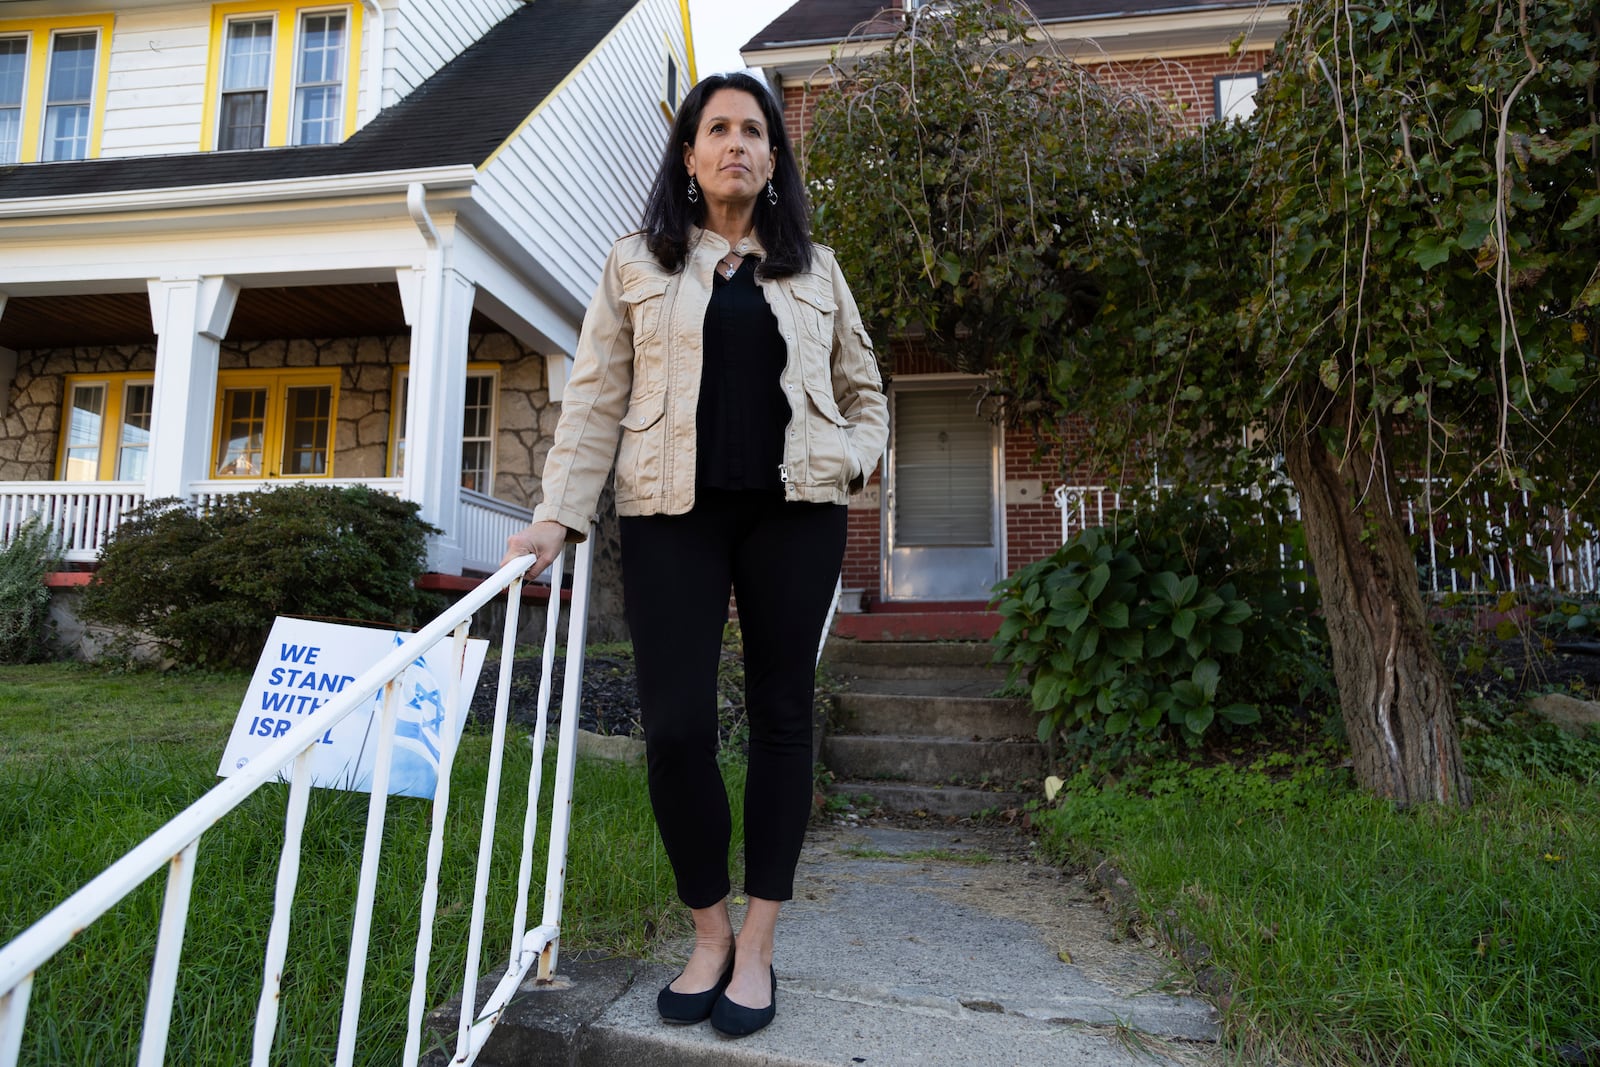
(944, 486)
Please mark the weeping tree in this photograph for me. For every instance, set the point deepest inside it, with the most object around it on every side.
(1388, 277)
(950, 170)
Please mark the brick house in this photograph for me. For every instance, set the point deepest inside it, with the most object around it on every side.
(959, 503)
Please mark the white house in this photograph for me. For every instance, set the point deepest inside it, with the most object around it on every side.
(259, 240)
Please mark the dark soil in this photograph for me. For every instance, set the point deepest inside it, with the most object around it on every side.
(1509, 668)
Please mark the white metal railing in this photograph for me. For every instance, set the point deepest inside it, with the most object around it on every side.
(485, 525)
(1567, 563)
(79, 515)
(175, 845)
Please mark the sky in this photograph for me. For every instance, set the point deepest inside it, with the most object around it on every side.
(721, 26)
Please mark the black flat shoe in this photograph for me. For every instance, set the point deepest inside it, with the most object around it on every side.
(691, 1007)
(736, 1020)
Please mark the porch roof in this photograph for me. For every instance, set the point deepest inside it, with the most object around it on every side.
(459, 115)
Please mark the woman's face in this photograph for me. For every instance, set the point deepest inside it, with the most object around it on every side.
(731, 158)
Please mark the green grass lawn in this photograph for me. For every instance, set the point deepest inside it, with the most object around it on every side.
(1334, 929)
(90, 763)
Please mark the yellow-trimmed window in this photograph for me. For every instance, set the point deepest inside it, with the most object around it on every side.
(478, 425)
(275, 424)
(53, 87)
(281, 74)
(105, 429)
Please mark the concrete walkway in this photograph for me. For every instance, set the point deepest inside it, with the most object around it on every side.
(934, 947)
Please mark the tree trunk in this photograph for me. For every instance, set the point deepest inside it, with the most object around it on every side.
(1398, 704)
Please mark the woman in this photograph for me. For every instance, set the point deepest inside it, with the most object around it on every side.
(724, 365)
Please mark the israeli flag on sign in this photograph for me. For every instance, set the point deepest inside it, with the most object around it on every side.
(419, 729)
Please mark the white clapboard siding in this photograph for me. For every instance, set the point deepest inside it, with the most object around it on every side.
(155, 87)
(427, 34)
(577, 175)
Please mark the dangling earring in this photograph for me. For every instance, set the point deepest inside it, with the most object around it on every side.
(694, 191)
(772, 194)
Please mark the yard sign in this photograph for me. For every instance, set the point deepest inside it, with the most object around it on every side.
(306, 664)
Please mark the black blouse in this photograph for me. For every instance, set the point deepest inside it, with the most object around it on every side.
(742, 414)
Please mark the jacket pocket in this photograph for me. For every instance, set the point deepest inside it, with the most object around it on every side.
(641, 451)
(829, 459)
(645, 302)
(815, 306)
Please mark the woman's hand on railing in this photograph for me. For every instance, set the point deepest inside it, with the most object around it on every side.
(543, 540)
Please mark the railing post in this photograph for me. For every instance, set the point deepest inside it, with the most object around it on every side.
(169, 946)
(555, 881)
(367, 882)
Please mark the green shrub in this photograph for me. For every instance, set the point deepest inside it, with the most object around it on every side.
(1139, 635)
(24, 598)
(205, 586)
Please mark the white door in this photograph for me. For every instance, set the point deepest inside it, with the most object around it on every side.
(942, 509)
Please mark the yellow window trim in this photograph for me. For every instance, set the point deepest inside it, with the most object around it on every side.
(280, 90)
(116, 384)
(276, 383)
(397, 431)
(40, 33)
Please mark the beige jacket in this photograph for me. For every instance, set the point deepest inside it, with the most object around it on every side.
(635, 386)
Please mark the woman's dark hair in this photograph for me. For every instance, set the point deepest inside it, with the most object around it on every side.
(785, 228)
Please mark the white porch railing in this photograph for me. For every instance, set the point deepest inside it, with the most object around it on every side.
(82, 515)
(79, 514)
(486, 523)
(175, 845)
(1567, 564)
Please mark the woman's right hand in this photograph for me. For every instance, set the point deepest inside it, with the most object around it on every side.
(543, 540)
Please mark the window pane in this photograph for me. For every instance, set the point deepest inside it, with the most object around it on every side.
(247, 59)
(319, 90)
(66, 132)
(71, 68)
(478, 418)
(400, 427)
(321, 49)
(475, 465)
(943, 477)
(10, 135)
(134, 447)
(85, 419)
(305, 437)
(13, 70)
(244, 422)
(317, 115)
(244, 121)
(13, 76)
(70, 87)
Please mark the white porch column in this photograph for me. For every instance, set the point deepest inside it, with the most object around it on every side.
(438, 304)
(191, 317)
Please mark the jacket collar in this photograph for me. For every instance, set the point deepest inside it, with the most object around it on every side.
(752, 245)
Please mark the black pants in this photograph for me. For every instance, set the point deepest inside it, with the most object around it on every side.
(781, 560)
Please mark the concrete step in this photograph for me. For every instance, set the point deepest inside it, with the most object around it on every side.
(979, 685)
(859, 656)
(963, 718)
(932, 759)
(910, 798)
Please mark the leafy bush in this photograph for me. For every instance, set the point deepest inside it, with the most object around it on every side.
(1140, 635)
(24, 598)
(205, 586)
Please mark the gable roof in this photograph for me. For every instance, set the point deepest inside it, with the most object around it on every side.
(811, 22)
(461, 114)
